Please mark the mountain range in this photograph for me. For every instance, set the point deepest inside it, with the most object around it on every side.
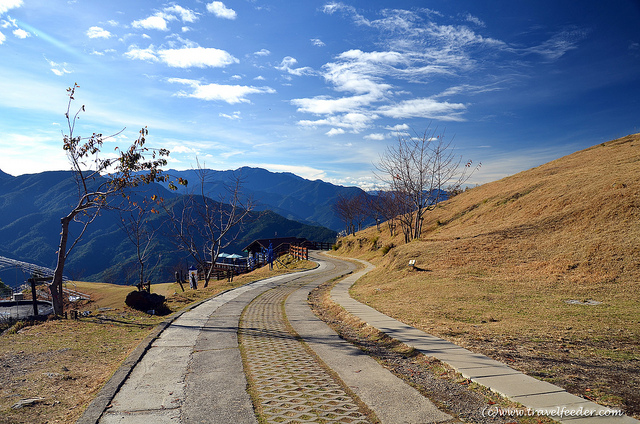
(284, 193)
(31, 206)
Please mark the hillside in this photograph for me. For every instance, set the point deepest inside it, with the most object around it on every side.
(540, 270)
(31, 206)
(284, 193)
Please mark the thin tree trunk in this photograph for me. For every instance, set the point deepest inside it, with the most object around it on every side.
(56, 284)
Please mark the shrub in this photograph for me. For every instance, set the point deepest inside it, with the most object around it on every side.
(386, 248)
(147, 302)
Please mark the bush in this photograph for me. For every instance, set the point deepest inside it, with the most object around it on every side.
(147, 302)
(386, 248)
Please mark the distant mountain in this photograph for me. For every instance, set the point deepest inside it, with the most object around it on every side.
(289, 195)
(31, 206)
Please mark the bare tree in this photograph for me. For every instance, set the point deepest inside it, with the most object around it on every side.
(202, 226)
(386, 206)
(342, 208)
(134, 221)
(418, 170)
(99, 180)
(352, 211)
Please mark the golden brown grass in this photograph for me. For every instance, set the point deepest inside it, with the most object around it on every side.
(66, 362)
(498, 263)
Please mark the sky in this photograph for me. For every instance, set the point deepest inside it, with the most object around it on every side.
(319, 88)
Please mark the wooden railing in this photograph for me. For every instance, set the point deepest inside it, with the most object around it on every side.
(299, 252)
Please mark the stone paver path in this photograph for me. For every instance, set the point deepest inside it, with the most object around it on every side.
(290, 383)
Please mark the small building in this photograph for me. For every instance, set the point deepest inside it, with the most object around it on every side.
(280, 246)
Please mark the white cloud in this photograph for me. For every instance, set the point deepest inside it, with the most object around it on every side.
(181, 148)
(397, 127)
(324, 105)
(335, 131)
(424, 108)
(317, 42)
(231, 94)
(307, 172)
(57, 68)
(97, 32)
(186, 15)
(199, 57)
(474, 20)
(5, 5)
(157, 21)
(147, 54)
(375, 136)
(2, 37)
(186, 57)
(288, 64)
(220, 10)
(20, 33)
(113, 23)
(234, 116)
(262, 52)
(353, 121)
(559, 44)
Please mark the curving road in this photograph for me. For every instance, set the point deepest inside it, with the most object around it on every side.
(261, 338)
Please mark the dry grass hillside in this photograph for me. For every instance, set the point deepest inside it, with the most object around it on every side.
(540, 270)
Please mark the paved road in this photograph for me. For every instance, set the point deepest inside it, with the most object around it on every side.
(299, 369)
(296, 367)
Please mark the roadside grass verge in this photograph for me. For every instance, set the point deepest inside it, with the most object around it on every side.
(447, 389)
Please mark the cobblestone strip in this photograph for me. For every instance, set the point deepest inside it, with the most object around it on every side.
(289, 383)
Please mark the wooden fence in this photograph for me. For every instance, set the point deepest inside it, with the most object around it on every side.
(299, 252)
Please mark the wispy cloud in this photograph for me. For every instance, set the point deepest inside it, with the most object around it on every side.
(288, 65)
(424, 108)
(474, 20)
(558, 44)
(234, 116)
(58, 68)
(353, 121)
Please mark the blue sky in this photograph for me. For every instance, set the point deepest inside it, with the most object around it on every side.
(319, 88)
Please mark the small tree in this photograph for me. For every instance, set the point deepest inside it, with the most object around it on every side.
(342, 207)
(5, 291)
(134, 221)
(201, 226)
(99, 180)
(386, 205)
(419, 170)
